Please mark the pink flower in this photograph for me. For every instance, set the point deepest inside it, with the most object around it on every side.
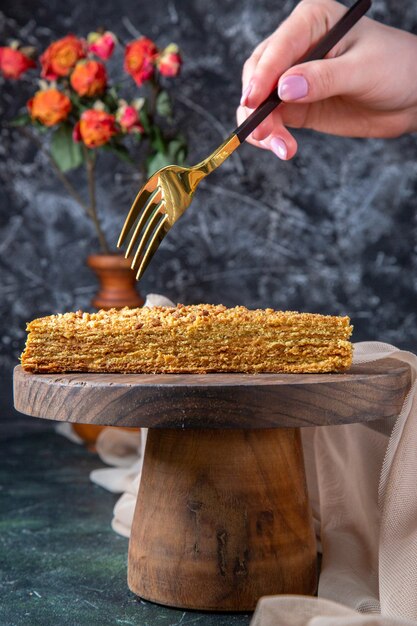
(128, 118)
(102, 45)
(169, 61)
(14, 63)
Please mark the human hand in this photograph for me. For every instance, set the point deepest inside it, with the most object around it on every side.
(365, 87)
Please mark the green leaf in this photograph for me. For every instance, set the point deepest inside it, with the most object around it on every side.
(174, 152)
(40, 127)
(21, 120)
(66, 153)
(144, 118)
(110, 100)
(120, 151)
(157, 139)
(78, 103)
(113, 92)
(163, 105)
(177, 150)
(156, 161)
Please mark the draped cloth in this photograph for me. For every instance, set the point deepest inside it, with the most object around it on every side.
(362, 482)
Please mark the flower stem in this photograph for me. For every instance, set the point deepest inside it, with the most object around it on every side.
(90, 209)
(59, 173)
(90, 162)
(154, 89)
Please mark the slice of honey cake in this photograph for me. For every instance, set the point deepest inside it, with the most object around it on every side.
(188, 339)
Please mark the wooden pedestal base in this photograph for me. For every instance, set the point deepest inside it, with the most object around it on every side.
(222, 519)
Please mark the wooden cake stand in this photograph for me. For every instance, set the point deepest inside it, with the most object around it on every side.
(222, 516)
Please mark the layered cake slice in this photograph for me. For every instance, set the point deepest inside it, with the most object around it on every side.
(188, 339)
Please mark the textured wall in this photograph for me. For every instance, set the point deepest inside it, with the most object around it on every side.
(332, 231)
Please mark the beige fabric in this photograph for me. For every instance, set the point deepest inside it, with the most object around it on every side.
(304, 611)
(124, 450)
(66, 430)
(363, 486)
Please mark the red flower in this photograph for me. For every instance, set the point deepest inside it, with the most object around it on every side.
(14, 63)
(140, 56)
(102, 45)
(169, 61)
(49, 107)
(76, 135)
(95, 128)
(128, 118)
(61, 57)
(89, 78)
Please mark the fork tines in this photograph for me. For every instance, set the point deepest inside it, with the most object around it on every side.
(151, 226)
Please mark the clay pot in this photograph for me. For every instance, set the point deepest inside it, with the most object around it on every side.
(117, 282)
(88, 433)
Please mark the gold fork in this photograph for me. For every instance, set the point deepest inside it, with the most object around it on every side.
(169, 192)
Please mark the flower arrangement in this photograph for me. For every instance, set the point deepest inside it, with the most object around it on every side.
(77, 112)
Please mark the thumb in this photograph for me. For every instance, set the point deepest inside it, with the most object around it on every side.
(318, 80)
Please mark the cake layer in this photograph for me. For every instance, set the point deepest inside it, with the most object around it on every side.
(188, 339)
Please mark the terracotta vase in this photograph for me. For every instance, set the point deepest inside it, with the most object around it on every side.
(117, 289)
(117, 282)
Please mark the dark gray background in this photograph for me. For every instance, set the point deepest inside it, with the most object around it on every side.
(333, 231)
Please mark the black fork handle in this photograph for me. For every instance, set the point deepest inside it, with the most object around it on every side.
(324, 46)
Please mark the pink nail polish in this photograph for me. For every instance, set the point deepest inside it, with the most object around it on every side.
(279, 148)
(245, 94)
(293, 88)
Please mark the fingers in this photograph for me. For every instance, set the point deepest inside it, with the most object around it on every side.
(278, 139)
(305, 84)
(282, 144)
(319, 80)
(249, 67)
(308, 23)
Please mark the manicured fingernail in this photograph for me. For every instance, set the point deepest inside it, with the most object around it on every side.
(279, 148)
(293, 88)
(245, 94)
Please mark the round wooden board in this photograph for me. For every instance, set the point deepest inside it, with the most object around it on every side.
(367, 392)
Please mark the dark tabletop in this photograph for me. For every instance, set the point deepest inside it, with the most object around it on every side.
(60, 561)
